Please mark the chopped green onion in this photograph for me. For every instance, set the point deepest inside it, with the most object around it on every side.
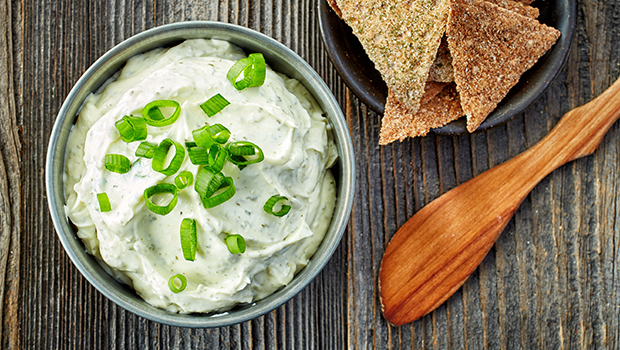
(198, 155)
(242, 148)
(226, 191)
(219, 133)
(189, 241)
(202, 137)
(254, 71)
(104, 202)
(207, 181)
(235, 71)
(259, 69)
(215, 104)
(237, 159)
(237, 152)
(161, 153)
(153, 115)
(172, 283)
(208, 135)
(146, 150)
(117, 163)
(184, 179)
(160, 189)
(217, 157)
(131, 128)
(235, 244)
(271, 203)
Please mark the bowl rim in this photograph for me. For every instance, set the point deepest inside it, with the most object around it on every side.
(178, 32)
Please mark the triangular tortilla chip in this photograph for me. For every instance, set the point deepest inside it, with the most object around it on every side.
(397, 117)
(401, 37)
(441, 71)
(440, 105)
(491, 47)
(437, 112)
(518, 7)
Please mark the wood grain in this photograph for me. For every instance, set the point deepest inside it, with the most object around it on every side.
(436, 250)
(552, 280)
(10, 194)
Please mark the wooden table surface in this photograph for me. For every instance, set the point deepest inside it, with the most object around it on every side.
(551, 281)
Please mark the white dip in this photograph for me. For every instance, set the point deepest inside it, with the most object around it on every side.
(142, 248)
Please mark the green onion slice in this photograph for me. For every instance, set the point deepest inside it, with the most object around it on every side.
(160, 189)
(207, 181)
(238, 151)
(153, 115)
(242, 148)
(219, 133)
(236, 160)
(131, 128)
(235, 244)
(215, 104)
(184, 179)
(172, 283)
(271, 203)
(159, 158)
(217, 157)
(146, 150)
(235, 71)
(198, 155)
(189, 241)
(202, 137)
(104, 202)
(117, 163)
(254, 71)
(225, 191)
(260, 69)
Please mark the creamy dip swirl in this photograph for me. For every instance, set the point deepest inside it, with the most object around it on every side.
(142, 248)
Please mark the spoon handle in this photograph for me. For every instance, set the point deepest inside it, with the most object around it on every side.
(437, 249)
(577, 134)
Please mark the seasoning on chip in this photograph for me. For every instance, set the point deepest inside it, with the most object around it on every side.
(442, 70)
(491, 48)
(437, 109)
(517, 7)
(401, 37)
(488, 45)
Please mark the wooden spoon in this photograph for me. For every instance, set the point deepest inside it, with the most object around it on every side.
(431, 256)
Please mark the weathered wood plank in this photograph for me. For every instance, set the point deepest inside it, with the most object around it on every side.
(552, 280)
(10, 189)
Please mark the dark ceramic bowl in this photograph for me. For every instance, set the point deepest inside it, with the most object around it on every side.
(360, 75)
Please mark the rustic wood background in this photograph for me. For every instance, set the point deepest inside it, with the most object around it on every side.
(551, 281)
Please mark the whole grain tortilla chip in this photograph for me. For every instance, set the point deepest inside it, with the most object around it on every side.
(436, 110)
(401, 37)
(431, 90)
(518, 7)
(441, 71)
(491, 47)
(397, 117)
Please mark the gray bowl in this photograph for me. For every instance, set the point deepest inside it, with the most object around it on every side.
(281, 59)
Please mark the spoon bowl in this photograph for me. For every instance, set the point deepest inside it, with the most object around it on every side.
(433, 254)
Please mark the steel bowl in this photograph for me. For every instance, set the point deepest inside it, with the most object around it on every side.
(281, 59)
